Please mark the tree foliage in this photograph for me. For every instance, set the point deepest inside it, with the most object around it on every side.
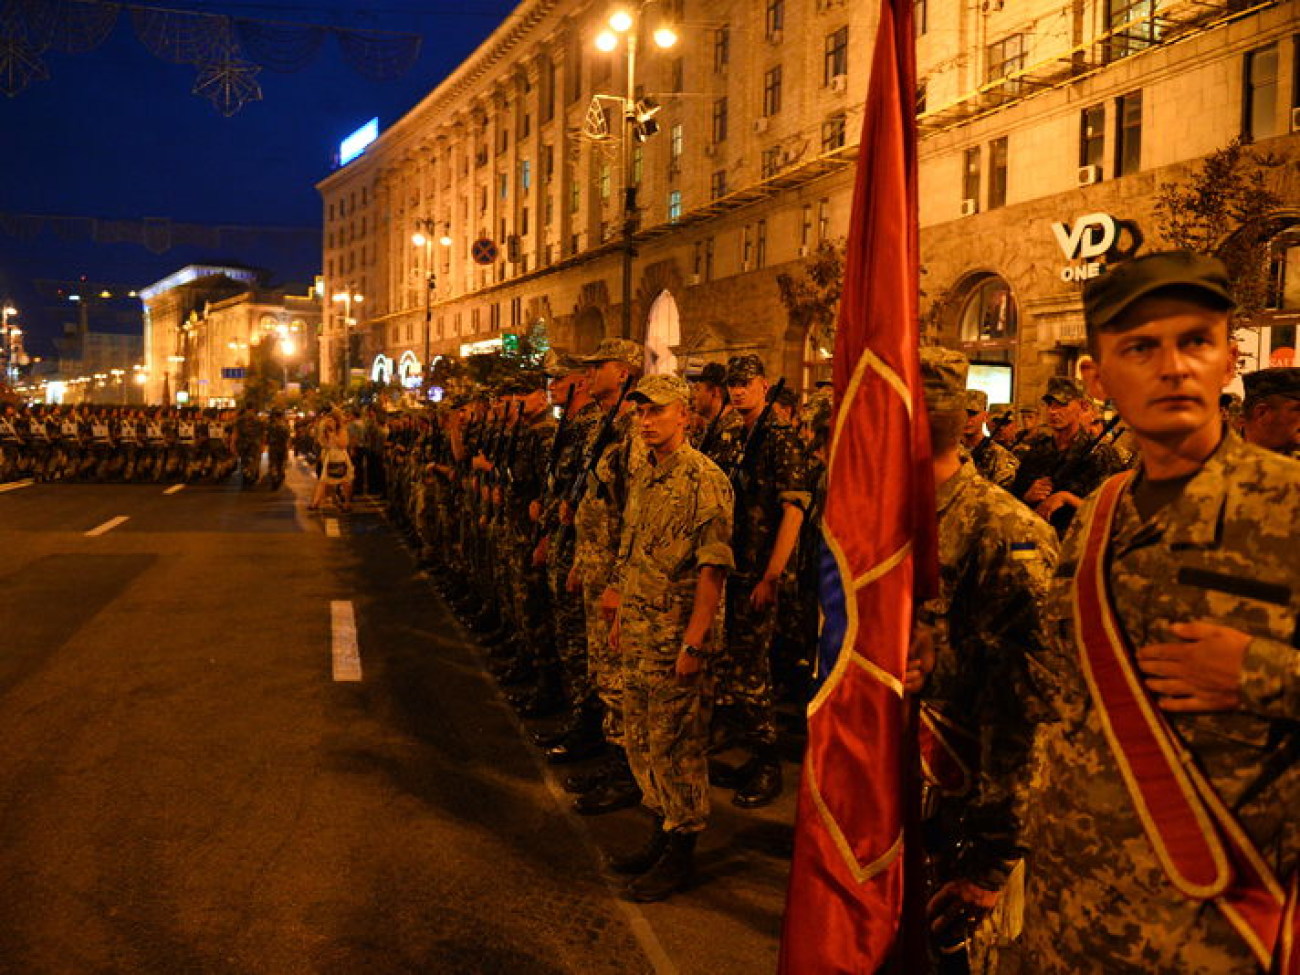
(812, 296)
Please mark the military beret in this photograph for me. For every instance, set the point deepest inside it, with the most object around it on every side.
(742, 368)
(943, 377)
(1107, 296)
(661, 390)
(977, 401)
(617, 350)
(1277, 381)
(1063, 389)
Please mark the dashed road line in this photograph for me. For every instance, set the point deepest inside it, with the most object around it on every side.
(343, 641)
(175, 489)
(15, 485)
(107, 526)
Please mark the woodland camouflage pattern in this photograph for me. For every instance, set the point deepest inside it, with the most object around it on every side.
(1225, 551)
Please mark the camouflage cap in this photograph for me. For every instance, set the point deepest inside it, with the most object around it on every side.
(1001, 414)
(742, 368)
(711, 373)
(661, 390)
(943, 377)
(557, 363)
(1063, 389)
(1106, 297)
(977, 401)
(1277, 381)
(617, 350)
(817, 411)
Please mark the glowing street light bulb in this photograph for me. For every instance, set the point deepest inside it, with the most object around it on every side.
(419, 240)
(445, 240)
(287, 347)
(665, 36)
(621, 21)
(606, 41)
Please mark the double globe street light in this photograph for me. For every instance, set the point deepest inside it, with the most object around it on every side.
(638, 125)
(423, 237)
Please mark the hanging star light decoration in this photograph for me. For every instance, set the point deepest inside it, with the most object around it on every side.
(20, 65)
(229, 83)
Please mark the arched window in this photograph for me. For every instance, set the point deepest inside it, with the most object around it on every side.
(989, 316)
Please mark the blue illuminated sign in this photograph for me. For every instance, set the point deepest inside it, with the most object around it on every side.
(355, 144)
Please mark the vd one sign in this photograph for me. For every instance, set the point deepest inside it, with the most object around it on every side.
(1089, 239)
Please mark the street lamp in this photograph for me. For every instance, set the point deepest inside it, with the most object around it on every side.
(638, 124)
(423, 237)
(6, 340)
(348, 298)
(287, 349)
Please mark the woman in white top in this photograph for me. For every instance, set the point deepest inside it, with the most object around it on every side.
(336, 466)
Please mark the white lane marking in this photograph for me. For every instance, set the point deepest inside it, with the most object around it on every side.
(175, 489)
(332, 528)
(15, 485)
(108, 526)
(343, 639)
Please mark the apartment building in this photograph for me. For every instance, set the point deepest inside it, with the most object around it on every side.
(513, 171)
(1047, 130)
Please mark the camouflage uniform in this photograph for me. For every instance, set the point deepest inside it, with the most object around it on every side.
(1223, 550)
(678, 520)
(1043, 458)
(527, 483)
(995, 462)
(721, 438)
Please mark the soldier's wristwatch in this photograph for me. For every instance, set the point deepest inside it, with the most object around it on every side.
(693, 651)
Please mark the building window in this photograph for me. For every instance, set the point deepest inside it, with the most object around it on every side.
(523, 221)
(697, 262)
(674, 205)
(548, 210)
(1260, 110)
(503, 186)
(526, 174)
(679, 74)
(676, 141)
(835, 58)
(548, 91)
(526, 126)
(604, 181)
(1128, 134)
(760, 244)
(721, 48)
(805, 227)
(770, 162)
(772, 91)
(575, 197)
(746, 247)
(1092, 136)
(970, 180)
(1003, 58)
(718, 184)
(997, 173)
(774, 21)
(548, 163)
(823, 220)
(1133, 27)
(920, 17)
(720, 120)
(833, 133)
(708, 259)
(989, 314)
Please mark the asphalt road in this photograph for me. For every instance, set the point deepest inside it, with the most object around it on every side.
(185, 787)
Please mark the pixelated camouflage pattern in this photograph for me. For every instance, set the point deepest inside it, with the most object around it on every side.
(995, 462)
(599, 518)
(1224, 550)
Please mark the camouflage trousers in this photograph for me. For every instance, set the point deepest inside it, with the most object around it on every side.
(604, 662)
(531, 597)
(665, 723)
(570, 625)
(744, 669)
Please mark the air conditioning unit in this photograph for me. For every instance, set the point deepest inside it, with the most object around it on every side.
(1088, 175)
(969, 207)
(760, 124)
(840, 82)
(776, 37)
(1295, 120)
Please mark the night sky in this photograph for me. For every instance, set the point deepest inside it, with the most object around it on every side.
(116, 134)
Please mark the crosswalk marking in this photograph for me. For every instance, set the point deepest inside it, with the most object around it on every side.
(343, 631)
(15, 485)
(175, 489)
(107, 526)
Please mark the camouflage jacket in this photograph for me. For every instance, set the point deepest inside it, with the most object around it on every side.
(599, 519)
(996, 560)
(721, 438)
(678, 519)
(570, 455)
(776, 476)
(1043, 458)
(1224, 550)
(528, 468)
(995, 462)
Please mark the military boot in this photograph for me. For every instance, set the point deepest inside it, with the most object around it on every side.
(584, 739)
(671, 873)
(618, 791)
(764, 782)
(642, 859)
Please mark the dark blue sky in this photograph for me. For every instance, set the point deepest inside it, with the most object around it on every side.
(116, 133)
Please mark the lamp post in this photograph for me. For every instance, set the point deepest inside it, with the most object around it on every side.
(348, 298)
(423, 237)
(638, 124)
(6, 339)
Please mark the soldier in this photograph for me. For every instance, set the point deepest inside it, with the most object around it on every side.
(990, 458)
(1002, 425)
(1164, 819)
(769, 478)
(995, 567)
(598, 524)
(719, 427)
(1271, 411)
(673, 559)
(1062, 467)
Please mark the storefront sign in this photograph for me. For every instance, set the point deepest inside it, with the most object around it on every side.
(1091, 239)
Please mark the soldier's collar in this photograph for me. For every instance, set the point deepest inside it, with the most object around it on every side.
(1196, 518)
(946, 493)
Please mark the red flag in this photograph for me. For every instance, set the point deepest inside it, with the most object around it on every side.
(845, 897)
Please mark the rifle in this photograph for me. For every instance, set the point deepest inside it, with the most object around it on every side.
(738, 469)
(604, 436)
(505, 475)
(711, 431)
(1061, 517)
(557, 442)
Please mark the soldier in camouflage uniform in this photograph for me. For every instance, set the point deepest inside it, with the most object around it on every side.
(990, 458)
(598, 523)
(718, 429)
(1199, 566)
(771, 497)
(988, 620)
(1057, 471)
(673, 558)
(1271, 411)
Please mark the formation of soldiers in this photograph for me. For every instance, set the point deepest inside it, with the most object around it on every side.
(124, 444)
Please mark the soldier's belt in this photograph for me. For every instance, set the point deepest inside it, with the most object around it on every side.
(1200, 845)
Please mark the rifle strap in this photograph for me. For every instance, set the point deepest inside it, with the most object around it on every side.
(1200, 845)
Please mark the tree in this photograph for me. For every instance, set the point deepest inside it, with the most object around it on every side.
(1228, 208)
(812, 297)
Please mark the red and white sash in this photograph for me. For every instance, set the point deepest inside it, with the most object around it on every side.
(1199, 843)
